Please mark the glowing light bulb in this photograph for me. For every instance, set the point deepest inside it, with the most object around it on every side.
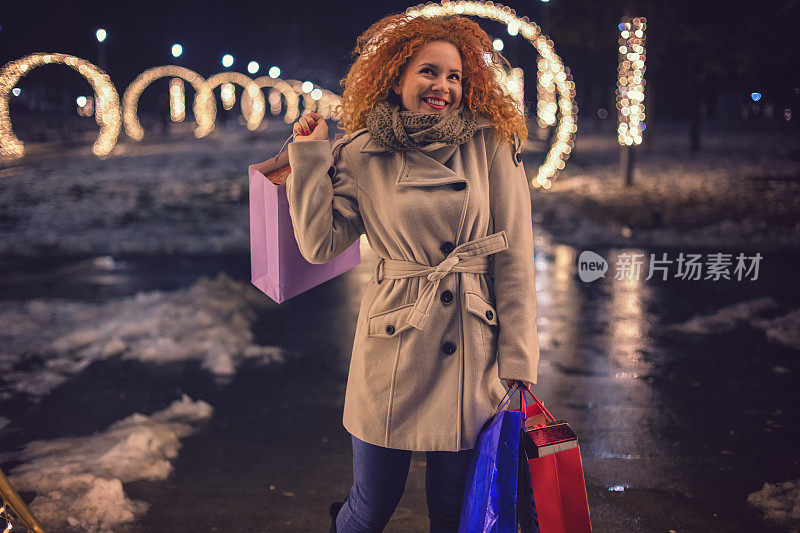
(630, 82)
(101, 35)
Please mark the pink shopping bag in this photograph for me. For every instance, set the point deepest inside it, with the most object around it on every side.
(276, 266)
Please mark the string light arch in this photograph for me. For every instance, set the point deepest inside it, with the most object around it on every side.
(254, 114)
(204, 107)
(566, 124)
(292, 101)
(107, 107)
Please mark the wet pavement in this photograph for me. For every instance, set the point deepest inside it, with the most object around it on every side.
(675, 429)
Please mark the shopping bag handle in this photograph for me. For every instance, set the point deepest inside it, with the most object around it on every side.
(524, 401)
(535, 399)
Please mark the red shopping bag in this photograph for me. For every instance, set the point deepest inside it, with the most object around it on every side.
(277, 267)
(552, 491)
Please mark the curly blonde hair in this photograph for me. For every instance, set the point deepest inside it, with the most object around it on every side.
(385, 50)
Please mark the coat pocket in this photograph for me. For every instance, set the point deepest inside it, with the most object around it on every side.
(388, 324)
(476, 305)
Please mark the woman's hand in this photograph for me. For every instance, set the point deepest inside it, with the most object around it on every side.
(310, 127)
(510, 383)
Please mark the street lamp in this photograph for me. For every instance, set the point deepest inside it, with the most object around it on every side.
(101, 35)
(252, 67)
(177, 50)
(227, 60)
(274, 72)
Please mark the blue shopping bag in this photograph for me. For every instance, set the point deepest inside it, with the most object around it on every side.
(490, 497)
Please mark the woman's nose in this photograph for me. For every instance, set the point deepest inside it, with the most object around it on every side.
(440, 84)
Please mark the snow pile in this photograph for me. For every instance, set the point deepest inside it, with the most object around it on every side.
(78, 480)
(43, 342)
(727, 318)
(783, 329)
(780, 503)
(740, 191)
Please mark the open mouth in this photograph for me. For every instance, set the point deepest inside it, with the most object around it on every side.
(436, 103)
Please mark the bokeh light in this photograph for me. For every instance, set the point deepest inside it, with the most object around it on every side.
(566, 123)
(204, 108)
(106, 100)
(630, 82)
(177, 100)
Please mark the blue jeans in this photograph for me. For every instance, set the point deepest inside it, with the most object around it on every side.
(379, 479)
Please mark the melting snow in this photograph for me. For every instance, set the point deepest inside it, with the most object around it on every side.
(78, 480)
(780, 503)
(44, 342)
(784, 329)
(726, 318)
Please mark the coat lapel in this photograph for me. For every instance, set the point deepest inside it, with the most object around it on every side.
(424, 167)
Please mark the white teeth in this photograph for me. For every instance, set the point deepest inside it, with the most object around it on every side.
(435, 101)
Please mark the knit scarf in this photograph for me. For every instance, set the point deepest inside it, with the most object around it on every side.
(402, 130)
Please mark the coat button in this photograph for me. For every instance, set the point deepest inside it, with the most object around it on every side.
(489, 315)
(518, 157)
(446, 248)
(390, 329)
(459, 186)
(447, 297)
(449, 348)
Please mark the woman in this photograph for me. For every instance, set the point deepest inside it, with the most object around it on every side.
(430, 170)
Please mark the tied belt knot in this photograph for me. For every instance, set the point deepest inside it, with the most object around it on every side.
(472, 256)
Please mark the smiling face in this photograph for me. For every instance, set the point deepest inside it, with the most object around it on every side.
(431, 82)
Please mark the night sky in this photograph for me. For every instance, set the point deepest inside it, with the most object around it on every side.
(695, 51)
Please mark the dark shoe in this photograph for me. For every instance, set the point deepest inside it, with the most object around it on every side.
(333, 510)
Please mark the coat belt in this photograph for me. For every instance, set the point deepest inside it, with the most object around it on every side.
(472, 256)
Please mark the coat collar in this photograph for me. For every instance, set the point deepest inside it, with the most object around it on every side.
(424, 167)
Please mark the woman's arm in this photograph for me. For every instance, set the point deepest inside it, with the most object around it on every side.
(324, 209)
(514, 270)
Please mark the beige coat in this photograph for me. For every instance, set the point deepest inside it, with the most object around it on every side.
(436, 332)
